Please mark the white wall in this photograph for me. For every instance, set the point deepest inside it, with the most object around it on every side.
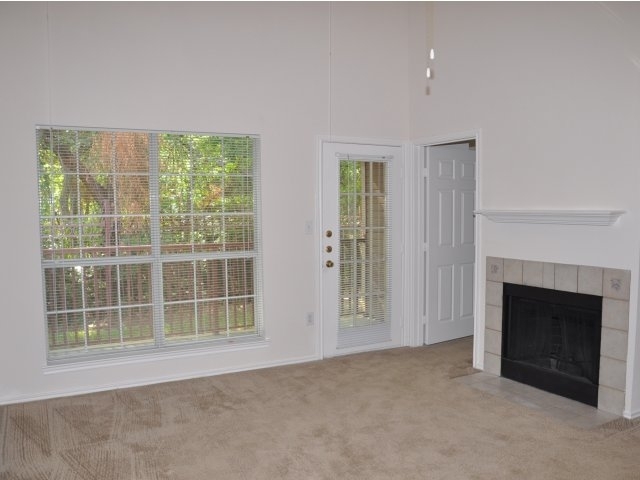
(554, 89)
(213, 67)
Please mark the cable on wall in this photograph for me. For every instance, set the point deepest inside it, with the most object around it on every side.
(48, 67)
(330, 70)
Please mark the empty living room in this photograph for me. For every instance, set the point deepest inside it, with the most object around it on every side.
(320, 240)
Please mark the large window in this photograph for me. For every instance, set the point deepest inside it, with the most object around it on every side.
(150, 240)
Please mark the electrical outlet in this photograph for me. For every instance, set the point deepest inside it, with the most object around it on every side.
(310, 320)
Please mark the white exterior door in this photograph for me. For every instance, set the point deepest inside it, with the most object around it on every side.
(449, 242)
(361, 240)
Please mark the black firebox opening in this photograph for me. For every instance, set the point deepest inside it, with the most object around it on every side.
(551, 340)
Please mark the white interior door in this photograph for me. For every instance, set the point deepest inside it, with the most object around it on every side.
(450, 250)
(361, 239)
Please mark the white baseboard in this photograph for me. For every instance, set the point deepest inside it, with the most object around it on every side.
(20, 398)
(631, 415)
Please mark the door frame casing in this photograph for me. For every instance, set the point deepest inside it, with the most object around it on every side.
(405, 164)
(416, 277)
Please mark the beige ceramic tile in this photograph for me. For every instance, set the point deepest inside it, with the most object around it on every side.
(590, 280)
(513, 271)
(589, 422)
(492, 363)
(493, 318)
(474, 378)
(610, 400)
(572, 405)
(613, 373)
(532, 273)
(548, 275)
(494, 293)
(566, 277)
(614, 344)
(495, 269)
(561, 414)
(492, 341)
(615, 314)
(616, 284)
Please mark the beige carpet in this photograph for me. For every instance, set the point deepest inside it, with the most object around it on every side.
(395, 414)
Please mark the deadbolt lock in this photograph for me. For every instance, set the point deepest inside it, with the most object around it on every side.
(329, 249)
(329, 234)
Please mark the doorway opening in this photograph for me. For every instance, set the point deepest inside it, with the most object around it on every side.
(447, 245)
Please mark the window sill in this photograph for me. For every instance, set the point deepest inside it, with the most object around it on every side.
(169, 353)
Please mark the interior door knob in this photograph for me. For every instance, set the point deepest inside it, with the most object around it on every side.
(329, 264)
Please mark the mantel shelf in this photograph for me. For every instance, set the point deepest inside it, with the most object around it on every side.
(557, 217)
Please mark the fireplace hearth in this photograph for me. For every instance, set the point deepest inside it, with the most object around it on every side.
(551, 340)
(610, 284)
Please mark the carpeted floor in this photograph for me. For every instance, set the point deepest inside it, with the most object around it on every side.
(395, 414)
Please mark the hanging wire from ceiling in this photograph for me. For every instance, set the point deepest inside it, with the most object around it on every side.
(48, 65)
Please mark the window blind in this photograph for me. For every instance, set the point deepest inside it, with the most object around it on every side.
(365, 252)
(149, 239)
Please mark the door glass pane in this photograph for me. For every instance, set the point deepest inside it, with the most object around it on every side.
(364, 250)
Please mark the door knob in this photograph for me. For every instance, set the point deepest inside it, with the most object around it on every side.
(329, 249)
(329, 264)
(329, 234)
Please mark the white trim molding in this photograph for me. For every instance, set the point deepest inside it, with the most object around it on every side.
(557, 217)
(631, 415)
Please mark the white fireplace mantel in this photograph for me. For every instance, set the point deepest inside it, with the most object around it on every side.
(558, 217)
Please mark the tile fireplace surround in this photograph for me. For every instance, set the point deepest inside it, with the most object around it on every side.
(612, 284)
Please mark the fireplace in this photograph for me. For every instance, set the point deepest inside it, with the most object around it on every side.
(551, 340)
(611, 285)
